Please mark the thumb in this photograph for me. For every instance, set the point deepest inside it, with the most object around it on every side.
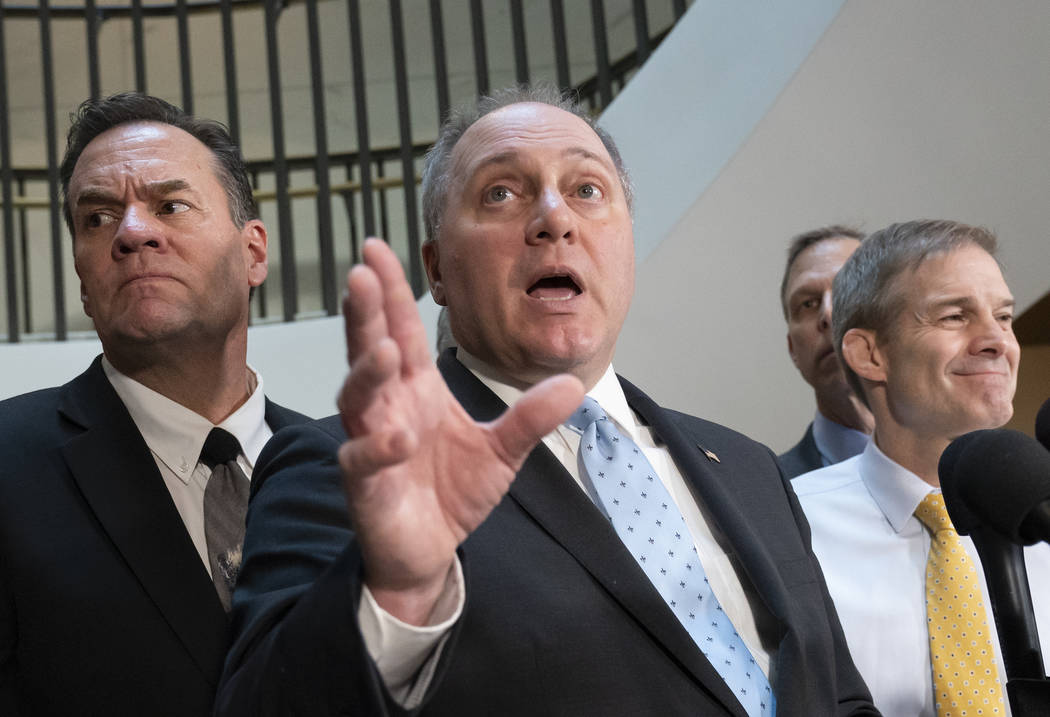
(539, 411)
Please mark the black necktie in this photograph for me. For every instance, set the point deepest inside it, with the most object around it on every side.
(225, 505)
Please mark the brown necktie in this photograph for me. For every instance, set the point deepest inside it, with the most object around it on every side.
(965, 677)
(225, 505)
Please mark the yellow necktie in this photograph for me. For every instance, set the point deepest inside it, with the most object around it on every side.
(965, 678)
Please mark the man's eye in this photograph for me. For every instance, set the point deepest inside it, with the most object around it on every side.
(810, 303)
(588, 191)
(98, 219)
(953, 318)
(173, 207)
(498, 194)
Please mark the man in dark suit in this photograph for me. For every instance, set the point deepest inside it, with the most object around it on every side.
(843, 423)
(108, 603)
(478, 573)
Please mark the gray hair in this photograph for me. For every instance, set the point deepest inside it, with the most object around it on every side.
(805, 240)
(865, 293)
(437, 164)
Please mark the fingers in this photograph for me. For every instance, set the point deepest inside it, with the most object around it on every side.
(368, 376)
(542, 409)
(399, 304)
(363, 318)
(363, 457)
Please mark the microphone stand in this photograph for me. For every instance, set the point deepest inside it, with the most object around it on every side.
(1027, 686)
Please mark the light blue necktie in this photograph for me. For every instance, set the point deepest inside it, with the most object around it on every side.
(653, 530)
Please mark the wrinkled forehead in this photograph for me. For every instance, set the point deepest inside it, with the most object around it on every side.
(962, 272)
(525, 132)
(139, 146)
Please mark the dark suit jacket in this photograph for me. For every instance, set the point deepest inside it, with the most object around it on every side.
(105, 605)
(559, 619)
(803, 458)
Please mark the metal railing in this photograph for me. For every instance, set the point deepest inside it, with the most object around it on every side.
(324, 58)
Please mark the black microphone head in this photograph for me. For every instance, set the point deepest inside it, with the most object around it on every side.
(962, 517)
(998, 476)
(1042, 425)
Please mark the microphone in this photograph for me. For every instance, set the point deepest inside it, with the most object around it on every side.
(996, 486)
(1042, 425)
(1001, 479)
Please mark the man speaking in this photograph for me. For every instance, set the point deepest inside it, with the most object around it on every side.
(639, 561)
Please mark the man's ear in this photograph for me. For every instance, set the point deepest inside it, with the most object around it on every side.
(861, 353)
(431, 262)
(791, 350)
(254, 233)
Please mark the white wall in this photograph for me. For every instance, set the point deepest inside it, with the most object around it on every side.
(899, 110)
(902, 110)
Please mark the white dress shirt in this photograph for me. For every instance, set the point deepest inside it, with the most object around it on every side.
(175, 436)
(398, 644)
(873, 552)
(835, 442)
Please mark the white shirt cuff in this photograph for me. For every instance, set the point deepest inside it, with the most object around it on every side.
(407, 655)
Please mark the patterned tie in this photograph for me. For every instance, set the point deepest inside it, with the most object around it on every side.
(225, 506)
(965, 677)
(653, 530)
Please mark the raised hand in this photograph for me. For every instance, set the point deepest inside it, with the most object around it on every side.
(420, 474)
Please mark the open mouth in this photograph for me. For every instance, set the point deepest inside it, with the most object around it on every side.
(558, 287)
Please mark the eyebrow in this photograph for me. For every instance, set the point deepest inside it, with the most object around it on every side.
(968, 301)
(97, 195)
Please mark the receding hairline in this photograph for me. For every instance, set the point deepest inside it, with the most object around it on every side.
(96, 192)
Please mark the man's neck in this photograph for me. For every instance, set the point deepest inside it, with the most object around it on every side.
(849, 412)
(213, 384)
(919, 454)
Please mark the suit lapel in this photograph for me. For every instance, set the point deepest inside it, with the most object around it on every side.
(546, 491)
(724, 492)
(120, 481)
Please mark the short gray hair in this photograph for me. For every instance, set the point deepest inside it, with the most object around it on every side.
(437, 165)
(865, 293)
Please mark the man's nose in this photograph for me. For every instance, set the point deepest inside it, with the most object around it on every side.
(991, 336)
(554, 219)
(825, 311)
(138, 230)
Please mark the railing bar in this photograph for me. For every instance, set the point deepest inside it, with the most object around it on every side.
(408, 164)
(521, 57)
(437, 33)
(10, 273)
(384, 215)
(329, 292)
(229, 57)
(185, 69)
(23, 237)
(351, 219)
(58, 282)
(289, 285)
(481, 62)
(641, 30)
(561, 48)
(364, 150)
(601, 52)
(137, 36)
(91, 30)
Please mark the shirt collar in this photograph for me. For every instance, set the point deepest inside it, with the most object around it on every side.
(836, 442)
(607, 392)
(895, 489)
(176, 434)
